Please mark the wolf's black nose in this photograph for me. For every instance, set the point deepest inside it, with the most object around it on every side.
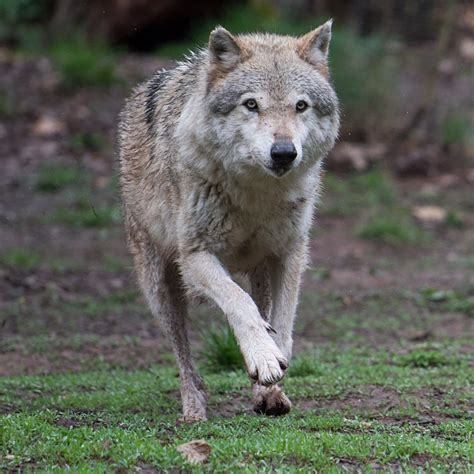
(283, 152)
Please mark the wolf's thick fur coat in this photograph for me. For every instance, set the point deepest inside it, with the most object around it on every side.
(205, 199)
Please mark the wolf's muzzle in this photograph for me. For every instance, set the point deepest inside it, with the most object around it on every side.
(283, 153)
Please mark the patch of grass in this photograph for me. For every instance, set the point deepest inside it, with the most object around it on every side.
(83, 213)
(7, 106)
(456, 129)
(390, 228)
(303, 366)
(454, 219)
(81, 63)
(119, 419)
(352, 193)
(221, 352)
(457, 301)
(87, 141)
(115, 265)
(20, 257)
(423, 358)
(53, 178)
(94, 307)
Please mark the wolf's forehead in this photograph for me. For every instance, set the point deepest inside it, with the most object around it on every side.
(279, 77)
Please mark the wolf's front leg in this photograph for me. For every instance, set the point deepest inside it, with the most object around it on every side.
(205, 273)
(285, 274)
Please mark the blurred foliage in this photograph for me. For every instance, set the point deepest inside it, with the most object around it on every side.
(53, 178)
(19, 257)
(456, 129)
(18, 16)
(82, 63)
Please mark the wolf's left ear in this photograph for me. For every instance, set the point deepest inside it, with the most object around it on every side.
(314, 46)
(223, 49)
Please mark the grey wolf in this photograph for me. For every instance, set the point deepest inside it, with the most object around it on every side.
(220, 163)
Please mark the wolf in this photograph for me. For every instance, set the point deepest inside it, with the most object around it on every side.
(220, 170)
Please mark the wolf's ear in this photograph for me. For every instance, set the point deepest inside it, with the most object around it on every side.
(314, 46)
(223, 49)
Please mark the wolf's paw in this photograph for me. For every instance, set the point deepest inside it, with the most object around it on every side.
(265, 362)
(194, 404)
(270, 401)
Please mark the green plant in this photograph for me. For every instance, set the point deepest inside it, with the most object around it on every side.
(17, 17)
(221, 351)
(7, 106)
(87, 141)
(391, 228)
(83, 212)
(423, 358)
(23, 258)
(81, 63)
(53, 178)
(303, 366)
(455, 129)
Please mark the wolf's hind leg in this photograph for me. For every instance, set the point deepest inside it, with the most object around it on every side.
(269, 400)
(163, 289)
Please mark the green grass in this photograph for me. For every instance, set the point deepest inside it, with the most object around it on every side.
(346, 195)
(457, 301)
(456, 129)
(7, 106)
(87, 141)
(221, 352)
(20, 257)
(112, 420)
(390, 228)
(54, 178)
(85, 213)
(81, 63)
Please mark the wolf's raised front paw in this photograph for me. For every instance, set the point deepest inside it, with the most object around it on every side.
(270, 401)
(265, 362)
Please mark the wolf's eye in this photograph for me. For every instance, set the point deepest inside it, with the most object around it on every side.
(301, 106)
(251, 104)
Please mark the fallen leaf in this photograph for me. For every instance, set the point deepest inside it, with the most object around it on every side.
(196, 451)
(430, 214)
(47, 126)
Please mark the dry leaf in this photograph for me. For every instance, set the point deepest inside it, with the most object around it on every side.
(196, 451)
(47, 126)
(430, 214)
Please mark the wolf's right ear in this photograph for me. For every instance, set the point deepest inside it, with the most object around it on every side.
(224, 51)
(314, 46)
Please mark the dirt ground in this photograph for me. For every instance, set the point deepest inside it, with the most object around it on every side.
(69, 301)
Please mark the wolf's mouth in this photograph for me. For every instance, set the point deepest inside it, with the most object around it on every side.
(279, 171)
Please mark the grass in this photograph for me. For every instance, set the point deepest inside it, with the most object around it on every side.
(373, 196)
(54, 178)
(221, 352)
(7, 106)
(83, 213)
(87, 141)
(115, 420)
(81, 63)
(20, 257)
(456, 301)
(390, 228)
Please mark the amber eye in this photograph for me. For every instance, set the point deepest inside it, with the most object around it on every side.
(251, 104)
(301, 106)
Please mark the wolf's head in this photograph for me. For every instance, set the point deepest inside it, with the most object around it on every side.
(269, 100)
